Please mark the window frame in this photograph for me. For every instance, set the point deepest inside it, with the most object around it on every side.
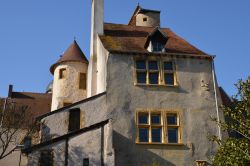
(163, 126)
(161, 71)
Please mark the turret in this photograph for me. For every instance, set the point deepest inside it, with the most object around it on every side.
(70, 77)
(145, 17)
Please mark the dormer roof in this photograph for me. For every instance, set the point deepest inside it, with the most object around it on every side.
(156, 33)
(72, 54)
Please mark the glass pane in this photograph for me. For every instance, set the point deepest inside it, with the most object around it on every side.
(140, 64)
(156, 119)
(157, 46)
(153, 78)
(172, 135)
(172, 119)
(169, 78)
(156, 135)
(168, 66)
(141, 77)
(143, 118)
(153, 65)
(143, 135)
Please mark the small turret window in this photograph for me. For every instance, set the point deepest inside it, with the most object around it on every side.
(82, 81)
(62, 73)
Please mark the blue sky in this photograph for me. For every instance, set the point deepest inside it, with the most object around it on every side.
(33, 34)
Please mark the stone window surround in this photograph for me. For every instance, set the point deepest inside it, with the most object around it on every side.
(160, 60)
(164, 125)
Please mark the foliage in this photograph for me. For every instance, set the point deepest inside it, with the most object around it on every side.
(235, 150)
(15, 125)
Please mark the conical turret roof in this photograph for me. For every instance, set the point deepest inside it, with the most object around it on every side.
(72, 54)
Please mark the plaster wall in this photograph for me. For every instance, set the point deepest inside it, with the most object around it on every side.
(67, 89)
(58, 151)
(14, 157)
(97, 17)
(102, 55)
(153, 19)
(87, 145)
(193, 99)
(92, 112)
(96, 145)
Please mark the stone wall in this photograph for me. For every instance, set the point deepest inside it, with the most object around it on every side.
(193, 99)
(94, 145)
(152, 19)
(67, 89)
(92, 111)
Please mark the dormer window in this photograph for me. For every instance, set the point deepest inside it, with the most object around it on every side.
(157, 47)
(156, 41)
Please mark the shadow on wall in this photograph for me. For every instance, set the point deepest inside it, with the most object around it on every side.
(128, 153)
(77, 155)
(58, 156)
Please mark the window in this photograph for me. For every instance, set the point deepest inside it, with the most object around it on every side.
(145, 19)
(201, 163)
(158, 127)
(46, 158)
(82, 81)
(141, 71)
(172, 128)
(27, 142)
(62, 73)
(168, 73)
(155, 72)
(86, 162)
(157, 46)
(74, 119)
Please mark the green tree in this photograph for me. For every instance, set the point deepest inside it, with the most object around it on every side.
(235, 150)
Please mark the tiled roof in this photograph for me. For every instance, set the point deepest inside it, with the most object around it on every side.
(126, 38)
(72, 54)
(37, 104)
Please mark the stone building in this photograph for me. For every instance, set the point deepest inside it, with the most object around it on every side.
(144, 98)
(37, 104)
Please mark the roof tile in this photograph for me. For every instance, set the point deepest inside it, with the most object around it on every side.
(126, 38)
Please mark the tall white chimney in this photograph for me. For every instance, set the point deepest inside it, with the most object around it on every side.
(97, 18)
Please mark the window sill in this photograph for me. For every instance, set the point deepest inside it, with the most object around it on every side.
(155, 143)
(156, 85)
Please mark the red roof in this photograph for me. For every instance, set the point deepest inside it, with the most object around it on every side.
(72, 54)
(37, 104)
(126, 38)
